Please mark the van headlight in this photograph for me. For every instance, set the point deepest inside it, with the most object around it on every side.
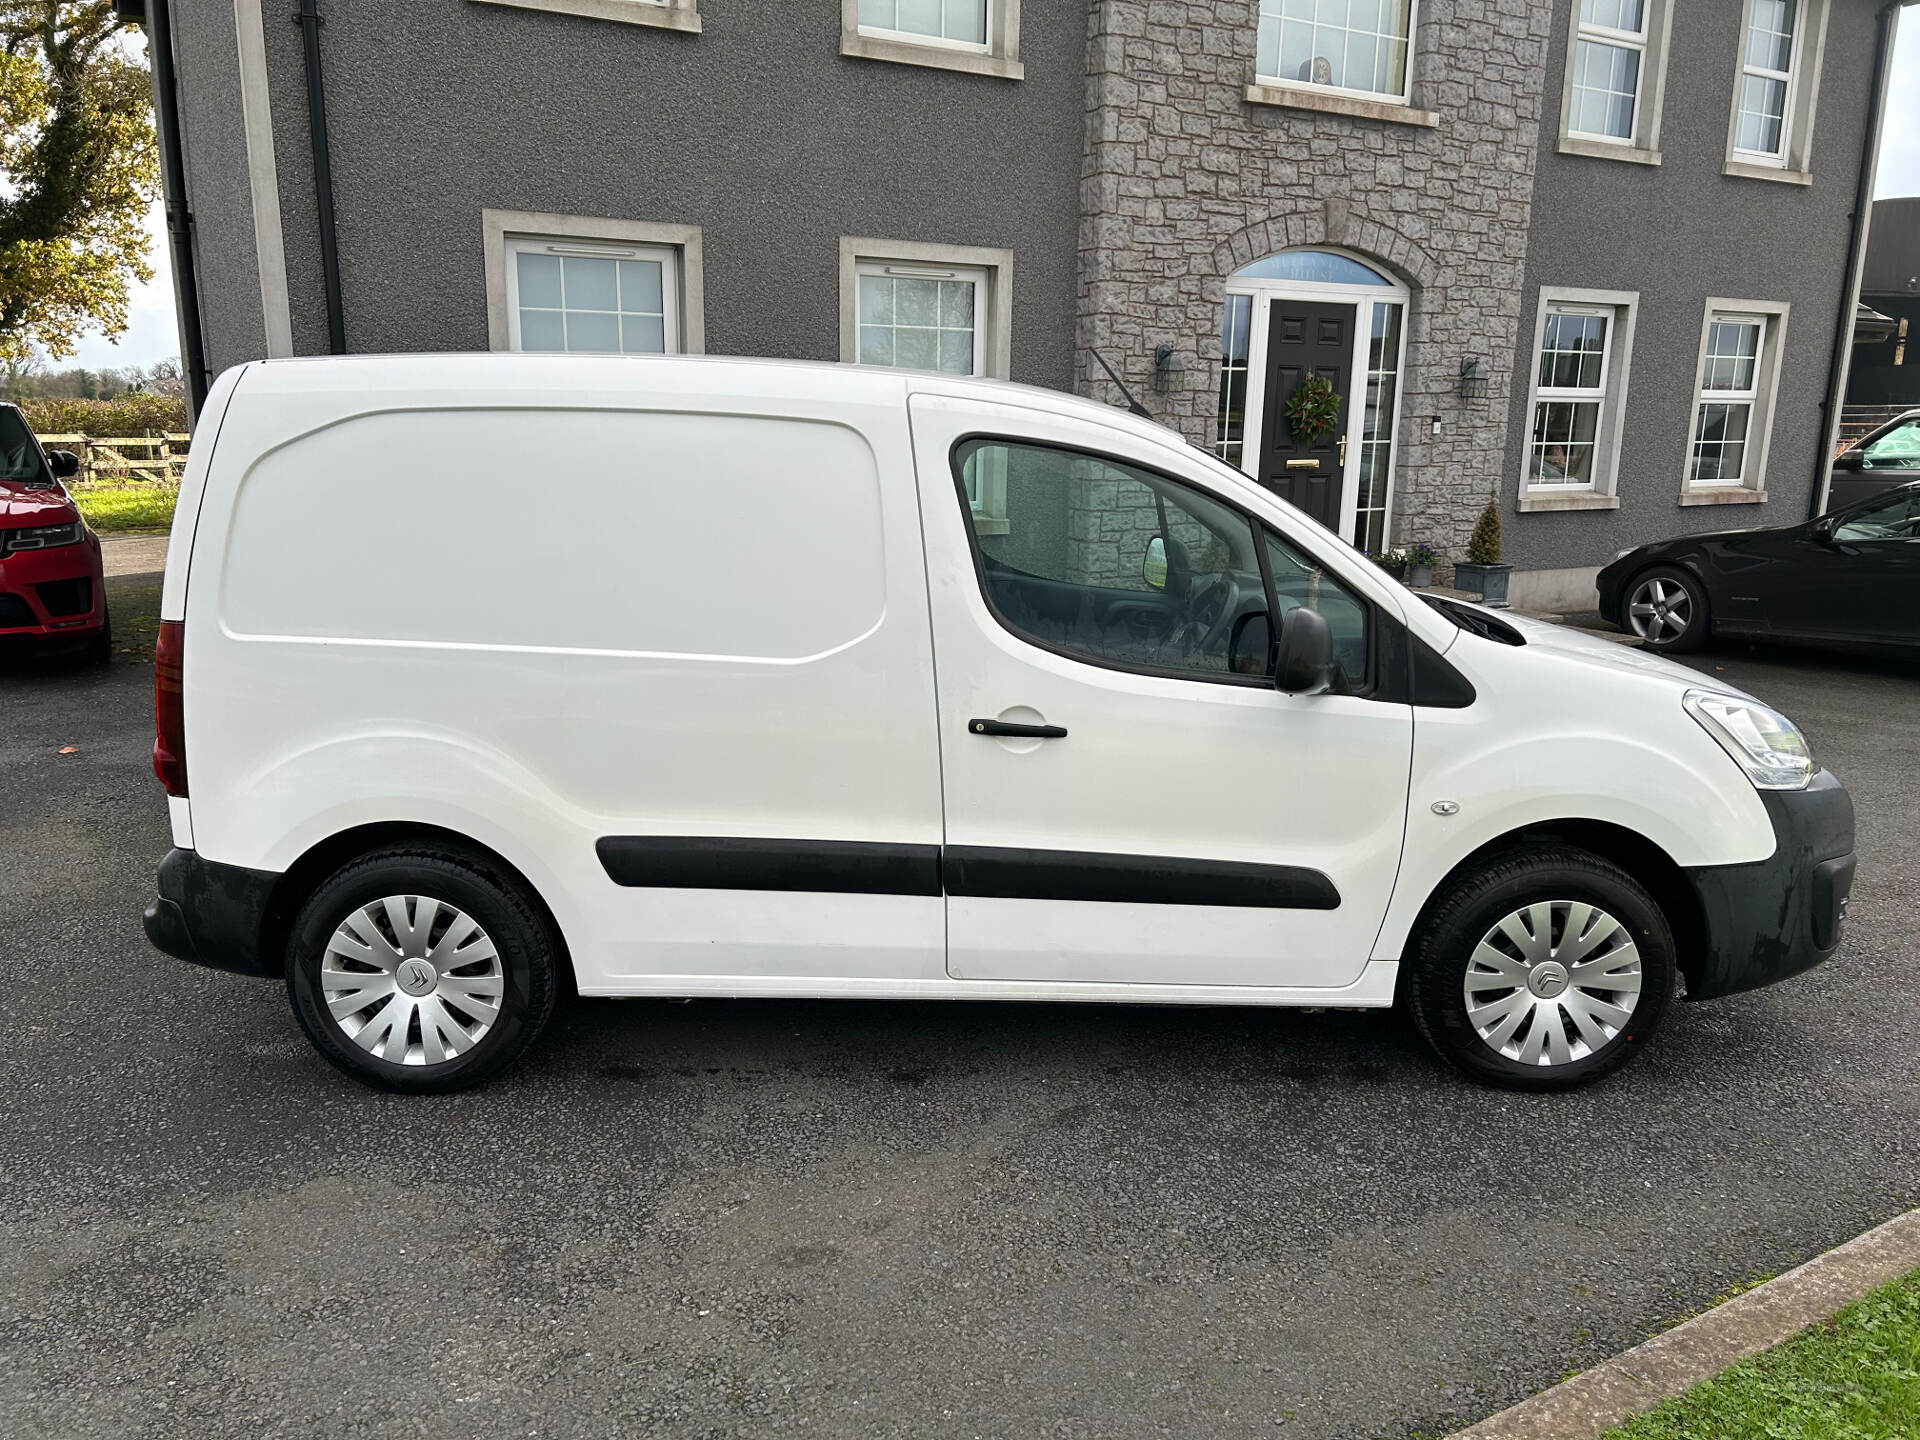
(1762, 742)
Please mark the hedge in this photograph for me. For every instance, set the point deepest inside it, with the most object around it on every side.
(123, 415)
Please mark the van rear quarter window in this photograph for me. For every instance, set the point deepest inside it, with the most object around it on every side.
(652, 532)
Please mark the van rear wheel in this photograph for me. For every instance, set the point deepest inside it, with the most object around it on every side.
(1542, 971)
(421, 969)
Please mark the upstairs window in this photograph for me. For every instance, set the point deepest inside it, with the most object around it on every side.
(1610, 53)
(980, 37)
(1767, 54)
(1362, 47)
(940, 22)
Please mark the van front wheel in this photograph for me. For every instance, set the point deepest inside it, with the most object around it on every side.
(420, 969)
(1542, 971)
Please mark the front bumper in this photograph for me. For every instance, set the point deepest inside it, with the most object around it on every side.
(214, 915)
(53, 594)
(1784, 914)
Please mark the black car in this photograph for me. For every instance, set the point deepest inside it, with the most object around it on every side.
(1850, 579)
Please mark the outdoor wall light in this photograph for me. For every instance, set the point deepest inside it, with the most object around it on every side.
(1473, 377)
(1169, 369)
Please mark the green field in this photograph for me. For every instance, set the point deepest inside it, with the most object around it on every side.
(126, 507)
(1855, 1378)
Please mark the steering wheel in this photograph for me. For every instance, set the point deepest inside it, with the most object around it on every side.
(1211, 602)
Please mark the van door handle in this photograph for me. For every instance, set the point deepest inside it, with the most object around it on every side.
(1008, 730)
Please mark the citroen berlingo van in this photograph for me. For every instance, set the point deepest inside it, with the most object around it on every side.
(485, 677)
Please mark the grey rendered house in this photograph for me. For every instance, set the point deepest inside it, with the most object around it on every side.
(1591, 256)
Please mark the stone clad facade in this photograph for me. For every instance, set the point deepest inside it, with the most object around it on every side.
(1187, 180)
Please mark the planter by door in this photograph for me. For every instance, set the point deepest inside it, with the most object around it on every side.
(1489, 582)
(1306, 337)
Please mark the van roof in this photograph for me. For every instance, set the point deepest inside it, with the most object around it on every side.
(683, 374)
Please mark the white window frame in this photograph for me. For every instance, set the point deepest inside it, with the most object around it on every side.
(992, 270)
(993, 319)
(1305, 91)
(1643, 146)
(999, 57)
(1786, 77)
(1751, 487)
(1602, 492)
(666, 14)
(503, 232)
(977, 276)
(1791, 166)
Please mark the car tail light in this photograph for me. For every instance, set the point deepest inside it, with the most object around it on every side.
(169, 711)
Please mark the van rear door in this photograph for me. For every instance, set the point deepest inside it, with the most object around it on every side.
(1123, 802)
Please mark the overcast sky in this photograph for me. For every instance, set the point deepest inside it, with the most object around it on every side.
(151, 335)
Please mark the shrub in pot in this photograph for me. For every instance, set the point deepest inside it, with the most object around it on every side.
(1482, 572)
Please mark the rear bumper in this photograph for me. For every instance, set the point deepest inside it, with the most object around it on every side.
(53, 594)
(213, 914)
(1786, 913)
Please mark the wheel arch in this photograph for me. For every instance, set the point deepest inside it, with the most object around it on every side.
(310, 870)
(1640, 857)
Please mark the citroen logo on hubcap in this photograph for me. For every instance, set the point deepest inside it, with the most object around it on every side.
(417, 977)
(1548, 979)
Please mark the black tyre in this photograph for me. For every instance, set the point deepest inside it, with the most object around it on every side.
(1542, 970)
(100, 648)
(422, 969)
(1666, 609)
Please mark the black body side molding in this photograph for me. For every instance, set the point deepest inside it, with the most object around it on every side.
(835, 867)
(866, 868)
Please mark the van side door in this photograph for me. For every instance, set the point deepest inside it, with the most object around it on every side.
(1128, 798)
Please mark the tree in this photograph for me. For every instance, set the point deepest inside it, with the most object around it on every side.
(82, 170)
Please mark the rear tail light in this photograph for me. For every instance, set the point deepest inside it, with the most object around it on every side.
(169, 711)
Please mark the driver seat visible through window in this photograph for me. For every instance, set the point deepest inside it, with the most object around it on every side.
(1112, 563)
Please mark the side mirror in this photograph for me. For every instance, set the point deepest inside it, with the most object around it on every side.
(1850, 460)
(1303, 664)
(1250, 651)
(64, 464)
(1823, 530)
(1154, 568)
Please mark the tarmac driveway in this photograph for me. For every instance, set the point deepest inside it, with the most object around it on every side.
(727, 1219)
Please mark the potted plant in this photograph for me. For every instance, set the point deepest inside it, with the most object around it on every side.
(1420, 562)
(1394, 562)
(1482, 573)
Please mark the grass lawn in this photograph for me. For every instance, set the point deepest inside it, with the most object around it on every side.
(126, 507)
(1855, 1378)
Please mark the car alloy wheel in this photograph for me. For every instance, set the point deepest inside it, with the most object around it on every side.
(1553, 983)
(1660, 611)
(412, 980)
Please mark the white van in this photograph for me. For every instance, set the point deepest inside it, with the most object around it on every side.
(483, 676)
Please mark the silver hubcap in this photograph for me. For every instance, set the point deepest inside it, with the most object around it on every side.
(412, 980)
(1660, 611)
(1553, 983)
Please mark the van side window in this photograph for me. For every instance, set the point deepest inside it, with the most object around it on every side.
(1298, 580)
(1100, 559)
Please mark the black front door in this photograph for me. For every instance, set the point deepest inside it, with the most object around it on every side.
(1306, 337)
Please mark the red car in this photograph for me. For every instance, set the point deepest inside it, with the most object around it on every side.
(51, 585)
